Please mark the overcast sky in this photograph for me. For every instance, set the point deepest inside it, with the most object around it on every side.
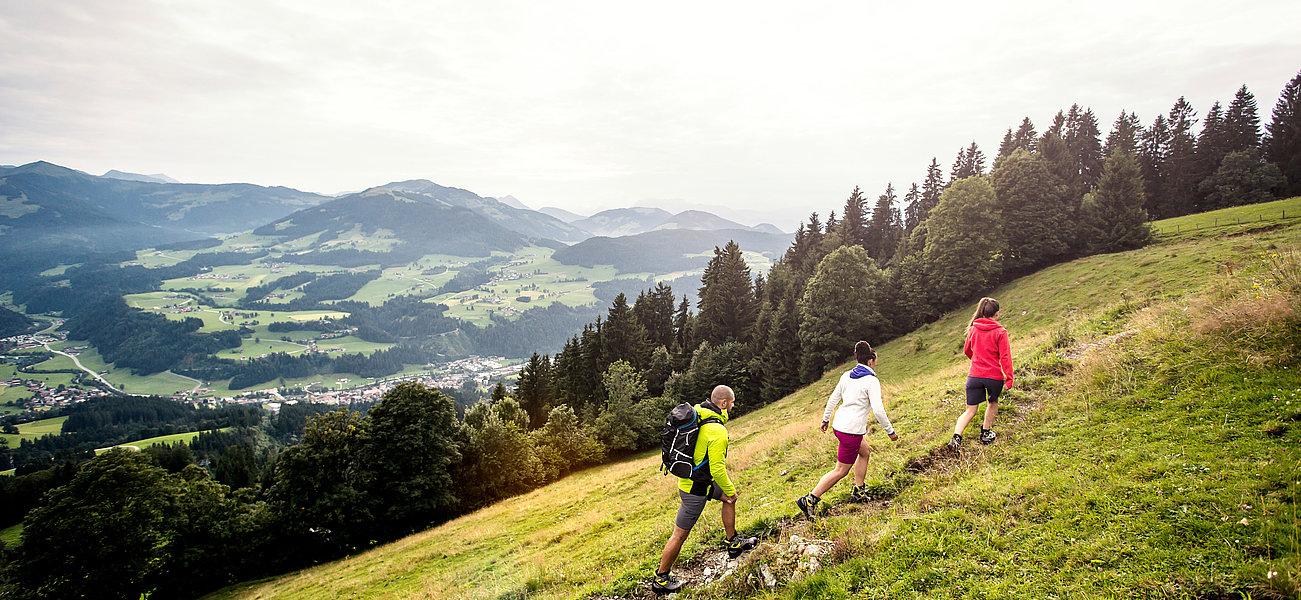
(778, 108)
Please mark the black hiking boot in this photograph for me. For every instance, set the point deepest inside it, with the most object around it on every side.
(666, 584)
(808, 505)
(859, 494)
(740, 545)
(987, 436)
(955, 442)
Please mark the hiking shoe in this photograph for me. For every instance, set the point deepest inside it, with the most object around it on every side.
(666, 584)
(955, 442)
(859, 494)
(807, 505)
(740, 545)
(987, 436)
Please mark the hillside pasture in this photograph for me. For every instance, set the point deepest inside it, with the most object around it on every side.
(1111, 477)
(34, 429)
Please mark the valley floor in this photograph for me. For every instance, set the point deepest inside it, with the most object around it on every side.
(1151, 448)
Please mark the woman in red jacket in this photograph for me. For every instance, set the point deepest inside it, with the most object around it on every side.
(991, 369)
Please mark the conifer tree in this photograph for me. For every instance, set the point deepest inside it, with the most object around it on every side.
(932, 187)
(727, 306)
(1179, 170)
(958, 170)
(533, 390)
(853, 227)
(958, 265)
(1153, 145)
(1124, 134)
(623, 336)
(1242, 122)
(1082, 137)
(1283, 135)
(778, 347)
(885, 228)
(1212, 144)
(1112, 217)
(1005, 147)
(912, 209)
(684, 342)
(654, 310)
(1058, 127)
(1025, 137)
(841, 305)
(1036, 212)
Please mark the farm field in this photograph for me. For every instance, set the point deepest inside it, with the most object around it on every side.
(161, 384)
(228, 284)
(1109, 479)
(35, 429)
(533, 274)
(1230, 221)
(186, 438)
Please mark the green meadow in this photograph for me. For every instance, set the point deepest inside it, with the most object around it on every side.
(1150, 449)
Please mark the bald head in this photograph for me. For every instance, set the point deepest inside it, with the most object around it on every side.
(723, 397)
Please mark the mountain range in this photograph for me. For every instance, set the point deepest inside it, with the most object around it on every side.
(63, 215)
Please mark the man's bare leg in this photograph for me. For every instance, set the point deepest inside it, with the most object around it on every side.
(674, 545)
(729, 520)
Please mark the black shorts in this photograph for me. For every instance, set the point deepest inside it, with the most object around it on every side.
(979, 387)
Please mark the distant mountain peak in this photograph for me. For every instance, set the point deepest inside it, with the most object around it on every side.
(128, 176)
(562, 214)
(513, 202)
(42, 167)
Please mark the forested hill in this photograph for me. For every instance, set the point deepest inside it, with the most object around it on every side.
(202, 208)
(666, 250)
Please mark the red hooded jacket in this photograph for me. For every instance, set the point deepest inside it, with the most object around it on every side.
(989, 351)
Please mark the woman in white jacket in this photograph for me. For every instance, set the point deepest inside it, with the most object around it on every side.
(858, 392)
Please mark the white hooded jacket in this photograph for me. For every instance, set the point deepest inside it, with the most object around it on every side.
(857, 391)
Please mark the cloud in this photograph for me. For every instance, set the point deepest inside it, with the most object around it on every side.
(776, 106)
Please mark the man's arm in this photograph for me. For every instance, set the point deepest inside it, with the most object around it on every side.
(717, 454)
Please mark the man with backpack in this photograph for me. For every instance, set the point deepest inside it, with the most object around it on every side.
(707, 478)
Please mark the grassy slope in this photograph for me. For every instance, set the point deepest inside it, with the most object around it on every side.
(1068, 500)
(34, 429)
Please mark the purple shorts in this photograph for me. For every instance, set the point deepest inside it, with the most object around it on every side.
(847, 453)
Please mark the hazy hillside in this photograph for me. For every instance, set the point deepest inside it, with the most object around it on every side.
(155, 178)
(1123, 469)
(211, 209)
(699, 219)
(562, 214)
(666, 250)
(530, 223)
(623, 221)
(392, 227)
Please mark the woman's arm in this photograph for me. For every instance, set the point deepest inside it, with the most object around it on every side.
(1005, 358)
(878, 407)
(834, 400)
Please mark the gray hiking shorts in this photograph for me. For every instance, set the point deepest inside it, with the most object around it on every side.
(693, 505)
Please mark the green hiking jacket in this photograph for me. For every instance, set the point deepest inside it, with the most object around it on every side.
(713, 442)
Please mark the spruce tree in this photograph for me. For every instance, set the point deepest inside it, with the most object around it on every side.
(959, 168)
(885, 228)
(778, 361)
(1124, 134)
(1179, 171)
(1036, 210)
(1112, 217)
(623, 336)
(841, 305)
(1025, 137)
(1082, 137)
(1005, 147)
(1058, 127)
(533, 390)
(853, 226)
(684, 341)
(965, 242)
(1153, 145)
(727, 306)
(1242, 122)
(1212, 144)
(1283, 135)
(912, 209)
(932, 187)
(913, 303)
(654, 310)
